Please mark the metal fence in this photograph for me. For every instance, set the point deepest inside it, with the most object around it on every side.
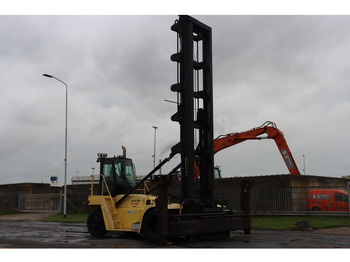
(292, 200)
(39, 203)
(307, 197)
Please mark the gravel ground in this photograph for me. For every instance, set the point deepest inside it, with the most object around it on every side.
(336, 230)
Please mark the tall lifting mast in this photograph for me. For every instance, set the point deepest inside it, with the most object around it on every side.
(195, 108)
(194, 114)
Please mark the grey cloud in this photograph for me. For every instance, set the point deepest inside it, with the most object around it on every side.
(288, 69)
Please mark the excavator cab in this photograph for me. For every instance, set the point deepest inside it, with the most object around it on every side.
(217, 172)
(119, 173)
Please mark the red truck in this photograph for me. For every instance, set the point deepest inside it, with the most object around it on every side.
(328, 200)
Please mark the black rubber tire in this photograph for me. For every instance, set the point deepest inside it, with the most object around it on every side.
(96, 224)
(150, 225)
(316, 209)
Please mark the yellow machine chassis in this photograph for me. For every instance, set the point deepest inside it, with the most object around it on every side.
(128, 215)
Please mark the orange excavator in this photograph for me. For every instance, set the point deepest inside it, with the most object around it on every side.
(269, 128)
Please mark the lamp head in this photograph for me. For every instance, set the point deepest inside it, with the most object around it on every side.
(47, 75)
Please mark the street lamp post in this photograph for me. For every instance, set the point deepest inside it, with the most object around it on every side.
(65, 149)
(154, 152)
(304, 163)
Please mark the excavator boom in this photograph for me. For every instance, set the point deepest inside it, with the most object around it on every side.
(269, 128)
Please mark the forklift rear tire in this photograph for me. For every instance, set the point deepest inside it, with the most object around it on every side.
(96, 224)
(150, 225)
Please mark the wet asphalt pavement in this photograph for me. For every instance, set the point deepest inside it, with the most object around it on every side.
(36, 234)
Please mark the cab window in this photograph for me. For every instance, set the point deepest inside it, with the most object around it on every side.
(340, 197)
(107, 172)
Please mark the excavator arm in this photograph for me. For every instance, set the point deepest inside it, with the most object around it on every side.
(269, 128)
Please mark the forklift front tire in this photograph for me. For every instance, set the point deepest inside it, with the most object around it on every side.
(96, 224)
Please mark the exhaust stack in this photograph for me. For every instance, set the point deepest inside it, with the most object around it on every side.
(124, 151)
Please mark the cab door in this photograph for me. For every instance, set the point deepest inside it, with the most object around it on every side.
(341, 202)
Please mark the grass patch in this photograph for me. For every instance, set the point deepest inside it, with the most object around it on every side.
(7, 212)
(70, 218)
(288, 222)
(258, 222)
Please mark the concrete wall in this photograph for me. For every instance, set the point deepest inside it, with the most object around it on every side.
(286, 193)
(9, 194)
(302, 184)
(269, 193)
(280, 192)
(78, 197)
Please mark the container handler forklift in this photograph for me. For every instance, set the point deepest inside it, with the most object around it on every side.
(198, 214)
(134, 212)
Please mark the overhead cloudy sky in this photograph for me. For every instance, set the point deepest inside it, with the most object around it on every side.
(292, 70)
